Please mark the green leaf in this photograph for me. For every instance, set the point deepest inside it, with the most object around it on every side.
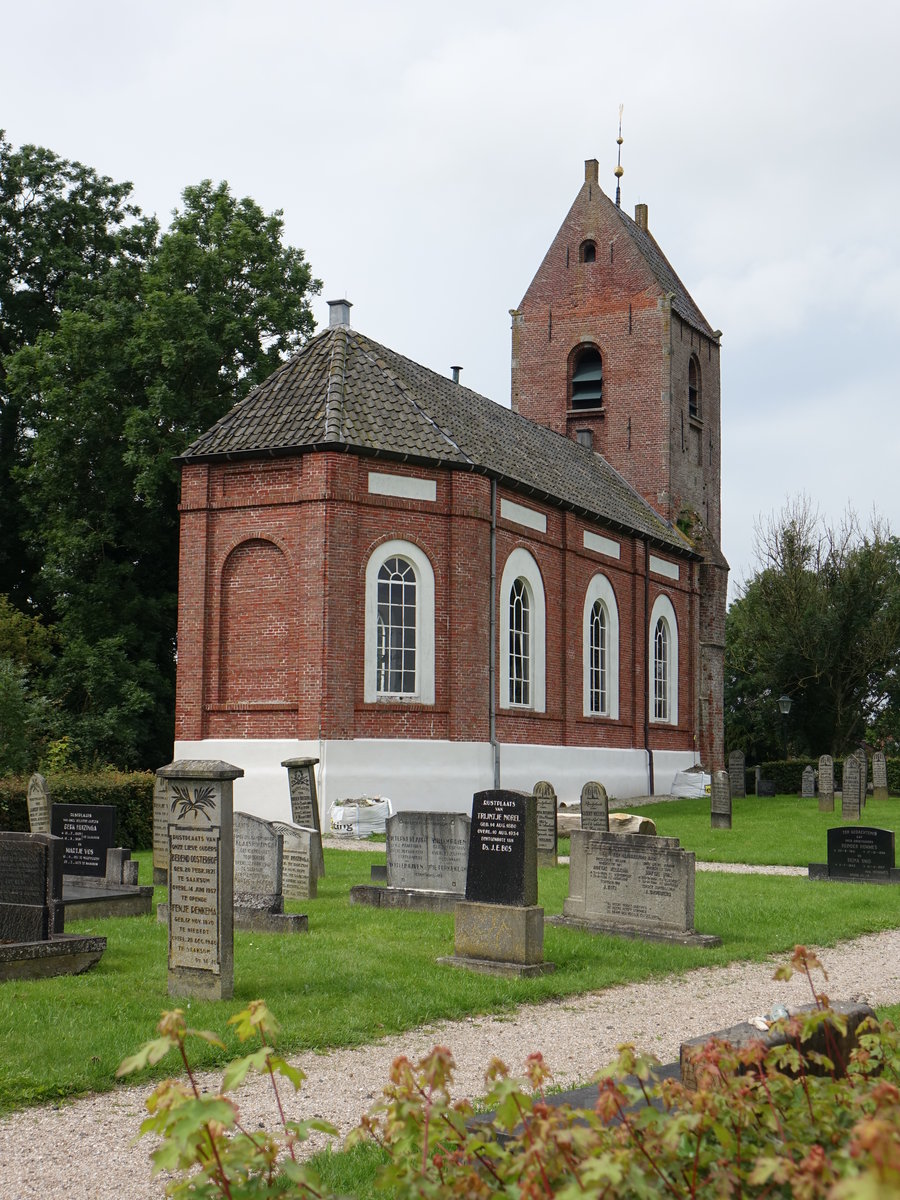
(148, 1056)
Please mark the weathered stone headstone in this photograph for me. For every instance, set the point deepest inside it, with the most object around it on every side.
(737, 774)
(258, 854)
(502, 867)
(201, 878)
(32, 942)
(38, 804)
(632, 886)
(851, 795)
(304, 797)
(428, 851)
(160, 831)
(300, 862)
(594, 807)
(863, 775)
(808, 783)
(858, 854)
(498, 928)
(547, 834)
(879, 776)
(720, 801)
(88, 832)
(826, 783)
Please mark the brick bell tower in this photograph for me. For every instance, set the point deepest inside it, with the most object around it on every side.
(609, 348)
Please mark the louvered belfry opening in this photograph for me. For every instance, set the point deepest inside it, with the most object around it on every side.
(587, 380)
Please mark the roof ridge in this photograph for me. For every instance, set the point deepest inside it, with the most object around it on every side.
(334, 394)
(364, 344)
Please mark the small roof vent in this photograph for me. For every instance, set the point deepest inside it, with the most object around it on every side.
(456, 371)
(339, 312)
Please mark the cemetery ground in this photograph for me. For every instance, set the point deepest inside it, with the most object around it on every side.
(361, 974)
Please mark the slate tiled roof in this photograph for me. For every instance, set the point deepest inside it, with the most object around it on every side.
(345, 391)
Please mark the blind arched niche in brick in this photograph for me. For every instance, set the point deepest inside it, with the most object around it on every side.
(258, 649)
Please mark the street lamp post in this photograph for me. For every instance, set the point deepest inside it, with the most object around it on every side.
(784, 707)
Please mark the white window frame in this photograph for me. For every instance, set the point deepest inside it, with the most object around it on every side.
(600, 589)
(424, 692)
(664, 610)
(521, 565)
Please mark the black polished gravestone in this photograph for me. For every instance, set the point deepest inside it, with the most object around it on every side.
(503, 849)
(858, 854)
(88, 831)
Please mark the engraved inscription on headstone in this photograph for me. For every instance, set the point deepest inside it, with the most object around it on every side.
(863, 775)
(258, 853)
(737, 774)
(302, 848)
(632, 884)
(850, 789)
(545, 796)
(808, 783)
(160, 831)
(302, 785)
(88, 831)
(428, 851)
(594, 807)
(879, 776)
(502, 865)
(720, 801)
(860, 852)
(826, 783)
(38, 804)
(30, 887)
(201, 875)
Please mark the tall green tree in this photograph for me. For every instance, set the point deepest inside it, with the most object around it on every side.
(62, 226)
(110, 395)
(819, 622)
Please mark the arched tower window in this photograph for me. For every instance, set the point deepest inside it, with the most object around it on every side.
(694, 387)
(587, 252)
(587, 380)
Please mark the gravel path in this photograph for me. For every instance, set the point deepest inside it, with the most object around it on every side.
(82, 1150)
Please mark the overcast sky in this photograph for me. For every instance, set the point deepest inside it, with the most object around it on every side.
(425, 155)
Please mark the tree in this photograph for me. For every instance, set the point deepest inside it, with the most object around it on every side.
(820, 622)
(61, 228)
(110, 394)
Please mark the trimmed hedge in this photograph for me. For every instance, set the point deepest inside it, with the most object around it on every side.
(131, 794)
(788, 775)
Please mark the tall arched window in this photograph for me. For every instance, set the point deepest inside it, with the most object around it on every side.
(399, 658)
(601, 649)
(694, 387)
(587, 379)
(519, 643)
(396, 645)
(663, 662)
(522, 634)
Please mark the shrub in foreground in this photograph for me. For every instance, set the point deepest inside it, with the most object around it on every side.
(759, 1124)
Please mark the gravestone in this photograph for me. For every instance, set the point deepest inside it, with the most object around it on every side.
(858, 854)
(737, 774)
(826, 783)
(38, 804)
(88, 832)
(304, 796)
(201, 878)
(765, 787)
(547, 831)
(594, 807)
(427, 858)
(498, 928)
(160, 831)
(720, 801)
(879, 776)
(32, 942)
(300, 861)
(258, 875)
(851, 797)
(632, 886)
(808, 783)
(863, 775)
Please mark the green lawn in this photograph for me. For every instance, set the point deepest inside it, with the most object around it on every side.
(363, 972)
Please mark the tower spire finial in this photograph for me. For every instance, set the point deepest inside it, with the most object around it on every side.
(619, 171)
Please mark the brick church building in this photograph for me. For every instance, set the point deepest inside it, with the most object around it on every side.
(432, 593)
